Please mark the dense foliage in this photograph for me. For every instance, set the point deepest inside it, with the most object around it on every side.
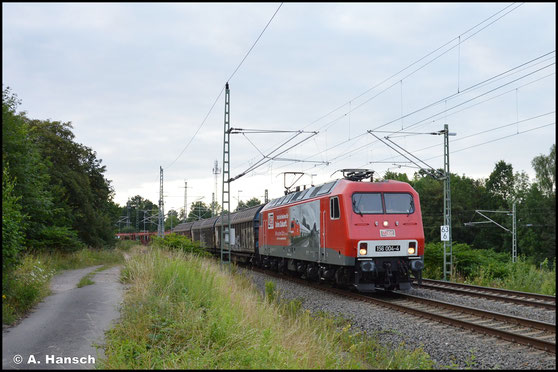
(179, 243)
(488, 268)
(535, 204)
(54, 193)
(249, 204)
(138, 214)
(199, 211)
(12, 223)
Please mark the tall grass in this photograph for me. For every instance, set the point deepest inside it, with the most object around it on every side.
(83, 258)
(24, 287)
(485, 267)
(521, 276)
(187, 312)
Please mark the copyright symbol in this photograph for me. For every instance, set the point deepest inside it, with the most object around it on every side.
(18, 359)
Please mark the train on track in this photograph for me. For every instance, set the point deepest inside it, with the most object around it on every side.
(350, 231)
(144, 237)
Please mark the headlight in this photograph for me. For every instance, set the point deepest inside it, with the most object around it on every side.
(412, 248)
(386, 224)
(363, 249)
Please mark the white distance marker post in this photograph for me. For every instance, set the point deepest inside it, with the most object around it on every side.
(444, 232)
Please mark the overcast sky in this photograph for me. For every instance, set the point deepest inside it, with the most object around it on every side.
(136, 80)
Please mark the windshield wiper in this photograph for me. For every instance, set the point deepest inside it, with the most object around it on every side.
(356, 209)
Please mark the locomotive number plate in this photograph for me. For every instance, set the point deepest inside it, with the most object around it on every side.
(388, 248)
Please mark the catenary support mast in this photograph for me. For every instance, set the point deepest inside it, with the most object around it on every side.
(161, 226)
(226, 194)
(447, 207)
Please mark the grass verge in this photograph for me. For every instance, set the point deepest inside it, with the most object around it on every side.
(183, 311)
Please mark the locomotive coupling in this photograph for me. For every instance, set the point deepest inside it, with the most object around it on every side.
(417, 265)
(367, 266)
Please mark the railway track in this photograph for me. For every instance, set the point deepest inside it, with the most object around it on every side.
(497, 294)
(539, 335)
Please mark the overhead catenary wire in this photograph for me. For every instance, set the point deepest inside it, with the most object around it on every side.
(491, 141)
(485, 131)
(472, 87)
(349, 102)
(267, 158)
(223, 88)
(475, 134)
(462, 103)
(417, 61)
(453, 151)
(498, 139)
(475, 86)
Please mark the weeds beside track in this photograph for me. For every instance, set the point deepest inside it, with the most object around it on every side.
(187, 312)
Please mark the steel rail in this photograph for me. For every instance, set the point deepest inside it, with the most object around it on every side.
(541, 344)
(482, 313)
(523, 298)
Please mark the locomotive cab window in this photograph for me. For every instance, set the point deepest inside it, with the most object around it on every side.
(367, 203)
(334, 212)
(380, 203)
(399, 203)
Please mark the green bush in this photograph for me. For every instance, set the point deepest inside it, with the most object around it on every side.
(467, 262)
(57, 238)
(526, 277)
(180, 243)
(485, 267)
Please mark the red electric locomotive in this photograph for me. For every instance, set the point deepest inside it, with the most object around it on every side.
(366, 234)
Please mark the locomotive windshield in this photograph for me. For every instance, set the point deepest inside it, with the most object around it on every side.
(399, 203)
(371, 203)
(367, 203)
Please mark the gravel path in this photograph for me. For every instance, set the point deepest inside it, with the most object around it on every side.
(449, 347)
(63, 330)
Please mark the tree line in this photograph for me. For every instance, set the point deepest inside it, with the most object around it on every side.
(140, 214)
(535, 203)
(55, 196)
(535, 208)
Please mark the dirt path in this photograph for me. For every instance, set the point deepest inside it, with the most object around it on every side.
(61, 332)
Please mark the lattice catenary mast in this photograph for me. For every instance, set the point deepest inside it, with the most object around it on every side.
(225, 193)
(161, 224)
(447, 206)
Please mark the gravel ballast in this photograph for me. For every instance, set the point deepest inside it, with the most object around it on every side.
(448, 347)
(508, 308)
